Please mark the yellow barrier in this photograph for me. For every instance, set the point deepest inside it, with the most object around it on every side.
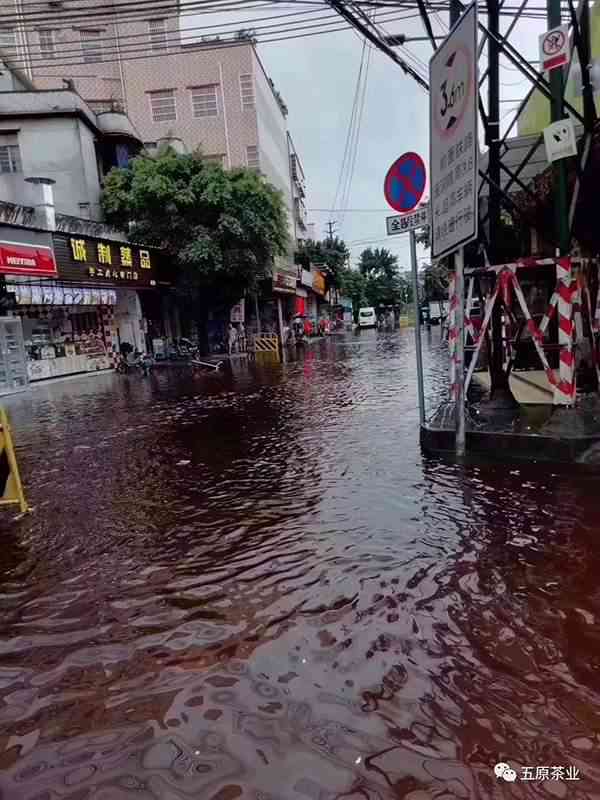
(10, 479)
(267, 343)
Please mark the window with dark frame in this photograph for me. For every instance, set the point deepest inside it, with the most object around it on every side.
(157, 32)
(162, 105)
(91, 45)
(47, 49)
(204, 101)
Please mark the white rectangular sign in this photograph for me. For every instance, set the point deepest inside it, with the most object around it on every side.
(560, 140)
(554, 48)
(237, 313)
(403, 223)
(453, 150)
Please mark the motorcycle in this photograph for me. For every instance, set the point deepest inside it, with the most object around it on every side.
(143, 362)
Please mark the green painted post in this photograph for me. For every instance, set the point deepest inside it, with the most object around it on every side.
(561, 209)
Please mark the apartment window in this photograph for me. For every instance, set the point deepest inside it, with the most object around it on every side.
(46, 43)
(10, 158)
(204, 101)
(247, 91)
(162, 104)
(252, 160)
(8, 39)
(157, 31)
(91, 46)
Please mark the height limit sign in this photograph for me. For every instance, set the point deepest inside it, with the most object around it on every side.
(453, 139)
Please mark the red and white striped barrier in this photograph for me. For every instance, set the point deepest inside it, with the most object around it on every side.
(564, 389)
(453, 334)
(570, 302)
(489, 305)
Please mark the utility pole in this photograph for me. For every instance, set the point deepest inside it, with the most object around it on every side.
(559, 168)
(330, 227)
(455, 9)
(500, 394)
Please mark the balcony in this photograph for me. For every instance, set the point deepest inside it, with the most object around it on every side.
(298, 175)
(301, 213)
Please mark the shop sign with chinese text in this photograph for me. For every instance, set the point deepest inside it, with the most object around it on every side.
(284, 282)
(318, 282)
(403, 223)
(27, 259)
(105, 262)
(453, 137)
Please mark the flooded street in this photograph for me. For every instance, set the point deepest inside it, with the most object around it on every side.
(256, 586)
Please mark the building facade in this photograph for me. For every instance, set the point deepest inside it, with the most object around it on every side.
(175, 86)
(76, 289)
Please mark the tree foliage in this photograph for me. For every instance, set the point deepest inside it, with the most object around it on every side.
(378, 262)
(383, 283)
(220, 229)
(435, 280)
(353, 286)
(330, 255)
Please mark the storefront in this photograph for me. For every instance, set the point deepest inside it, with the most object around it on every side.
(79, 312)
(319, 289)
(284, 288)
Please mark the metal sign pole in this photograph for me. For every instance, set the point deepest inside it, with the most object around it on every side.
(415, 282)
(460, 440)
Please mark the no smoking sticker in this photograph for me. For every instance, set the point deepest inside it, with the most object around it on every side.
(554, 48)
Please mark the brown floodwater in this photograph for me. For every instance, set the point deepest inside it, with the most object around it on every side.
(257, 586)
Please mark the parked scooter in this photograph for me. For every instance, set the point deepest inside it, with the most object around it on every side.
(143, 362)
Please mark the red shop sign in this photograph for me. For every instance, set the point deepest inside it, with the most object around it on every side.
(27, 259)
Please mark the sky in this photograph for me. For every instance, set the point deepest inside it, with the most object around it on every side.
(317, 78)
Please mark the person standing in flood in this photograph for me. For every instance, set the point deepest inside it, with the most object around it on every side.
(241, 338)
(231, 338)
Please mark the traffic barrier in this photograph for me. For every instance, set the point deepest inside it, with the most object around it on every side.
(267, 343)
(11, 487)
(452, 337)
(561, 303)
(564, 389)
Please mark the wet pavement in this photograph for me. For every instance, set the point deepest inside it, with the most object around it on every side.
(254, 585)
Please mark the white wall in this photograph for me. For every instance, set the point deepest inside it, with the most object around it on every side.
(272, 142)
(61, 148)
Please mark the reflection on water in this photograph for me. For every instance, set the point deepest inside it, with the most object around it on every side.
(255, 586)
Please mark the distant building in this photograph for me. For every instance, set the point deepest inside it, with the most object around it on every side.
(55, 134)
(198, 93)
(74, 290)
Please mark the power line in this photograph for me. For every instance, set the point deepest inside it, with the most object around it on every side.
(153, 7)
(124, 50)
(346, 196)
(408, 70)
(134, 54)
(349, 133)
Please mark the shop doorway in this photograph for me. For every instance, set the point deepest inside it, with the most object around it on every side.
(13, 366)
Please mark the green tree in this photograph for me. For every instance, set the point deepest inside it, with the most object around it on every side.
(378, 262)
(220, 230)
(383, 283)
(330, 255)
(353, 285)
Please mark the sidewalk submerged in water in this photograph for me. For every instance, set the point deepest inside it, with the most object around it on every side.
(530, 433)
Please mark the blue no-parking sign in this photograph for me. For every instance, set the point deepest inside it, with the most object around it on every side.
(405, 182)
